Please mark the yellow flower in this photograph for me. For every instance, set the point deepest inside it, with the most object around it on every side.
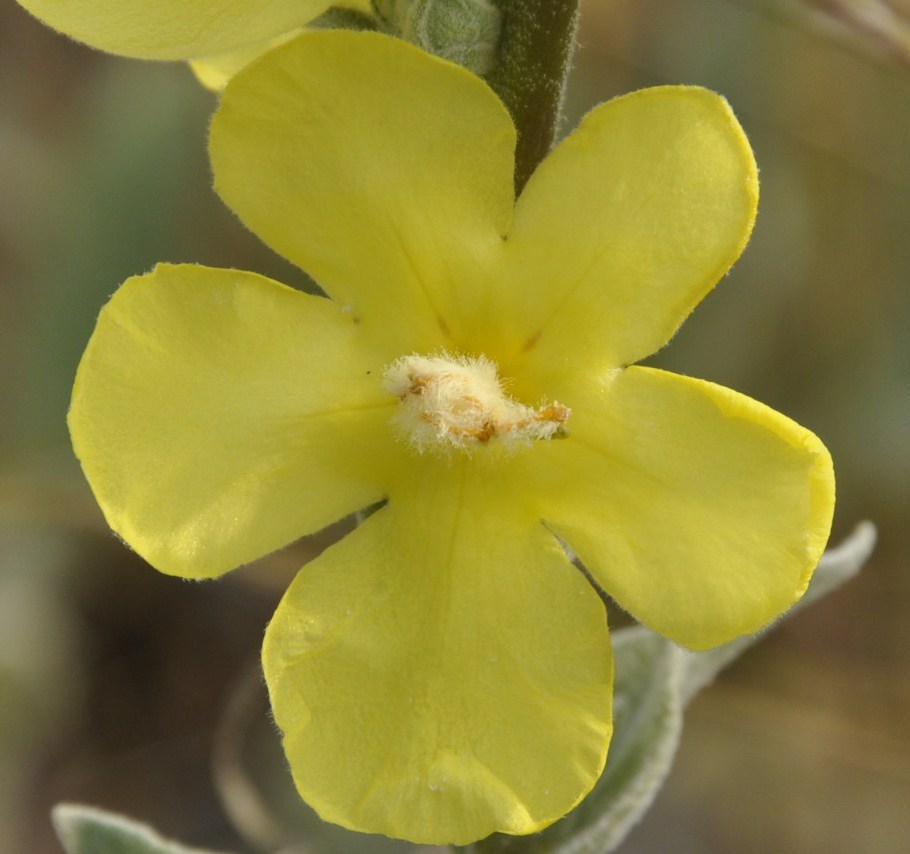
(444, 671)
(221, 36)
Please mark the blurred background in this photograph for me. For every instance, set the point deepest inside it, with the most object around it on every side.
(118, 685)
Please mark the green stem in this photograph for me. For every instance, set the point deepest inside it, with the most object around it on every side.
(533, 60)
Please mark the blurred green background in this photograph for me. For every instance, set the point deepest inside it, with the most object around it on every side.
(114, 680)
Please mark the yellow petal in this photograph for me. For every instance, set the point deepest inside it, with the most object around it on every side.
(174, 29)
(219, 415)
(382, 171)
(443, 672)
(701, 511)
(213, 72)
(626, 225)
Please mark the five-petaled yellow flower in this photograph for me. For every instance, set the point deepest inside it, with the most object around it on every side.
(444, 671)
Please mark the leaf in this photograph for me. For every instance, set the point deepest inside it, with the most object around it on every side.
(87, 830)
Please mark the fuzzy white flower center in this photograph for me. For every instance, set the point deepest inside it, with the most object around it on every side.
(459, 402)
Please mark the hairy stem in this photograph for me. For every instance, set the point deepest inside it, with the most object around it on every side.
(533, 60)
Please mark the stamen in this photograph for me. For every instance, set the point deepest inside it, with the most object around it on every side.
(458, 402)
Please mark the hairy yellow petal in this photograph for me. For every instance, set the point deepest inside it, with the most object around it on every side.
(174, 29)
(443, 672)
(219, 415)
(213, 72)
(701, 511)
(626, 225)
(395, 185)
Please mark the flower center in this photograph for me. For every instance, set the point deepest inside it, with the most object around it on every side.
(459, 402)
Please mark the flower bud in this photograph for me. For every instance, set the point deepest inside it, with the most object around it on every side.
(463, 31)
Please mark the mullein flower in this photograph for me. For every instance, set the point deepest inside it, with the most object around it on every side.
(444, 671)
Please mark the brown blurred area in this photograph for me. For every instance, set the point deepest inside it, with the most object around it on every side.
(113, 678)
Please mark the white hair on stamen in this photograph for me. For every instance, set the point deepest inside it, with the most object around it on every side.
(459, 402)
